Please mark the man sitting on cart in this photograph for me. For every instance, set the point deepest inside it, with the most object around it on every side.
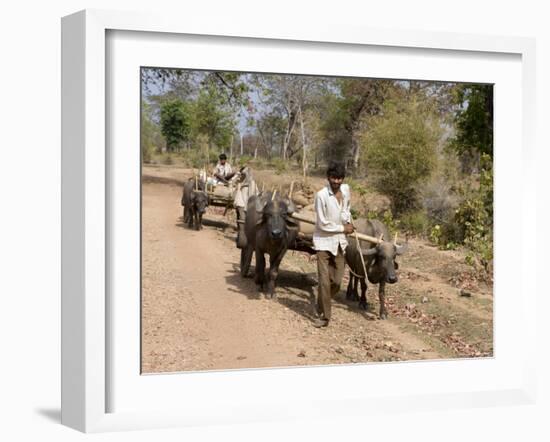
(223, 172)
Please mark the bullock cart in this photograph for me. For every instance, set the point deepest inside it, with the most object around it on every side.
(221, 195)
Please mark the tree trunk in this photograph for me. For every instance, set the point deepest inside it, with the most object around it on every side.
(286, 142)
(289, 129)
(304, 143)
(356, 152)
(355, 147)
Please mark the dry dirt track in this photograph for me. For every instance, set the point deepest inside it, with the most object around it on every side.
(199, 314)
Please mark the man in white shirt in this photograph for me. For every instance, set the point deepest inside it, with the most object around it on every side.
(333, 223)
(223, 172)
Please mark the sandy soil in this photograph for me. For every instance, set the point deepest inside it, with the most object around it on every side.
(199, 314)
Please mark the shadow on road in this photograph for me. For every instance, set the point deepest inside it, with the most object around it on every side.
(215, 223)
(206, 222)
(296, 291)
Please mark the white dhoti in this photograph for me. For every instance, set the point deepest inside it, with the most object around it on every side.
(244, 191)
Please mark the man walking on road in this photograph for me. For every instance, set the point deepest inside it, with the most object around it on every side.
(332, 207)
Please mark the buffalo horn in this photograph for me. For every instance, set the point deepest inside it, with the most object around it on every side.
(369, 252)
(399, 250)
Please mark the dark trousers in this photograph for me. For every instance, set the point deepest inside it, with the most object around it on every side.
(330, 270)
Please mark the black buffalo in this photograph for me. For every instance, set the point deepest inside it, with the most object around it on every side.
(269, 230)
(379, 261)
(194, 201)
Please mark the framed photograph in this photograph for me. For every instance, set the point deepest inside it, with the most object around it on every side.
(190, 150)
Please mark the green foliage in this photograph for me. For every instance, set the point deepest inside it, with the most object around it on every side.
(372, 214)
(436, 234)
(472, 221)
(199, 155)
(204, 155)
(415, 222)
(343, 113)
(391, 223)
(439, 236)
(474, 120)
(400, 151)
(357, 187)
(244, 160)
(213, 158)
(475, 216)
(337, 138)
(279, 165)
(355, 213)
(271, 129)
(212, 118)
(175, 123)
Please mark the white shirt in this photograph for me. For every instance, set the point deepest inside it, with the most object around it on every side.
(222, 169)
(330, 219)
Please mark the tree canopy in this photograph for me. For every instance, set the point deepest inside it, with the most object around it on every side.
(474, 118)
(175, 122)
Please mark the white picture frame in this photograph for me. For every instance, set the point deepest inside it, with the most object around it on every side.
(87, 356)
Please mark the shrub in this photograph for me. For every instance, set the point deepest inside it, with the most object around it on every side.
(355, 214)
(477, 227)
(399, 149)
(475, 214)
(438, 235)
(372, 214)
(416, 222)
(213, 157)
(279, 165)
(391, 223)
(197, 157)
(356, 186)
(435, 234)
(192, 158)
(243, 160)
(471, 223)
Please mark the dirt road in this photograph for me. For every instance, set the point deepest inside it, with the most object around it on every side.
(199, 314)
